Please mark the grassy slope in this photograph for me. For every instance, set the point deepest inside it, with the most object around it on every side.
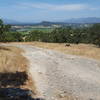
(86, 50)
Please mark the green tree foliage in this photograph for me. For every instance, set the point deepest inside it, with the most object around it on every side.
(59, 35)
(6, 35)
(38, 36)
(13, 37)
(94, 34)
(34, 36)
(68, 35)
(3, 30)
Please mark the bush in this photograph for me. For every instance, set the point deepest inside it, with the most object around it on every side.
(13, 37)
(94, 34)
(6, 35)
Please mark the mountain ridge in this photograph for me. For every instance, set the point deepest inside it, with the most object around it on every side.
(89, 20)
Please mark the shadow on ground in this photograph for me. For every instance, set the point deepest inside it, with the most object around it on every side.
(10, 87)
(15, 94)
(13, 79)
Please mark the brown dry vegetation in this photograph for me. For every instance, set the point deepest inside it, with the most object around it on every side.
(13, 69)
(11, 60)
(86, 50)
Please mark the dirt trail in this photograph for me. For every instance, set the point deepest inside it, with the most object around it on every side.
(56, 75)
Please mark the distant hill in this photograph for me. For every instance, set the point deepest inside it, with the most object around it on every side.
(90, 20)
(14, 22)
(8, 21)
(48, 23)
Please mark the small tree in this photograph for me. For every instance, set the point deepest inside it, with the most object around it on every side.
(94, 34)
(3, 30)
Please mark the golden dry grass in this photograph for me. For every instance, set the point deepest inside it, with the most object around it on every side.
(11, 60)
(86, 50)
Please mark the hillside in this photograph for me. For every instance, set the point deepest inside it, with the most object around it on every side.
(62, 77)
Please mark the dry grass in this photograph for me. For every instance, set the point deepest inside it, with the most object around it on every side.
(11, 60)
(13, 69)
(86, 50)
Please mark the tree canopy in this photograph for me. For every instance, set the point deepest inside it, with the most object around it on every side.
(58, 35)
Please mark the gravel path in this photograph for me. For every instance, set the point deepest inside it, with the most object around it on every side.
(59, 74)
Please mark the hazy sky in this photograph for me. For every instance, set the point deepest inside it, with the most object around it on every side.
(51, 10)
